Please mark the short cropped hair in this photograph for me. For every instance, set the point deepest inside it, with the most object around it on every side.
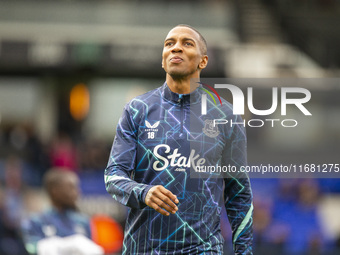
(54, 177)
(204, 45)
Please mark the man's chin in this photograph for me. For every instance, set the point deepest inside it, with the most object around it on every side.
(177, 75)
(71, 207)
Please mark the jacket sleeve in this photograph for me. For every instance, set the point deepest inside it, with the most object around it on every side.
(31, 233)
(237, 193)
(119, 172)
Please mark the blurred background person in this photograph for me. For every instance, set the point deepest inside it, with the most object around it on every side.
(63, 153)
(63, 218)
(12, 209)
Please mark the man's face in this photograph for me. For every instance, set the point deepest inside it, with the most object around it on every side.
(182, 56)
(66, 192)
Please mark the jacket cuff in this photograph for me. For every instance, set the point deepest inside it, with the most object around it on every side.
(143, 195)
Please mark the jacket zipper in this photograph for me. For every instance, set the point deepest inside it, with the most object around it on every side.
(180, 100)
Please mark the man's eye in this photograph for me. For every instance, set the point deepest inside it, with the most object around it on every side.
(168, 43)
(189, 44)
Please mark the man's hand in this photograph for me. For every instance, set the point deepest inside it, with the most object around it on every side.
(162, 200)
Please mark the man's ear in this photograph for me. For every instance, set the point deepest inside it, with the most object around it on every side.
(203, 63)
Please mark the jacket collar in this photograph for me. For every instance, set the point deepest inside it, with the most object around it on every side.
(187, 99)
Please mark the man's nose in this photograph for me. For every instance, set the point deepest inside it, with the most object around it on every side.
(177, 47)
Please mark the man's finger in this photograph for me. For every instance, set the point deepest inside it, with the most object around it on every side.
(159, 209)
(163, 198)
(169, 194)
(164, 205)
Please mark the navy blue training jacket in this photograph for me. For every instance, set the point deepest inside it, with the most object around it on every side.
(163, 139)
